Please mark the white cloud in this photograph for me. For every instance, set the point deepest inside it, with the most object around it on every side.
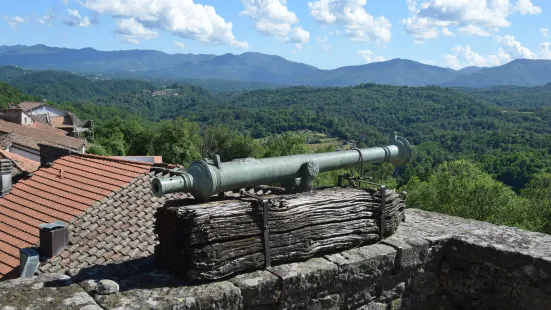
(473, 31)
(447, 32)
(183, 18)
(47, 19)
(545, 50)
(463, 56)
(412, 4)
(299, 35)
(14, 21)
(323, 39)
(510, 48)
(427, 62)
(273, 18)
(514, 48)
(76, 20)
(131, 31)
(527, 7)
(369, 56)
(544, 32)
(350, 14)
(298, 47)
(180, 44)
(473, 17)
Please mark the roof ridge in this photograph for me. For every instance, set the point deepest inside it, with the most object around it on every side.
(117, 160)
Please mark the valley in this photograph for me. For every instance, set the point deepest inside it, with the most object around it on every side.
(499, 135)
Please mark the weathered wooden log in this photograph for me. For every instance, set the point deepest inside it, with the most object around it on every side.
(218, 239)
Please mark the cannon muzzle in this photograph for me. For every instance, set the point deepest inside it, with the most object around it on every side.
(204, 179)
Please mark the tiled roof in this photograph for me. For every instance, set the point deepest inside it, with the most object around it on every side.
(119, 228)
(40, 118)
(5, 140)
(49, 128)
(21, 163)
(61, 121)
(31, 136)
(62, 192)
(29, 105)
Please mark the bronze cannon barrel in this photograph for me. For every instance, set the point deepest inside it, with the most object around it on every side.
(203, 180)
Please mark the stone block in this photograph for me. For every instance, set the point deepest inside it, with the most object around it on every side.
(316, 274)
(415, 250)
(48, 291)
(258, 288)
(219, 295)
(364, 263)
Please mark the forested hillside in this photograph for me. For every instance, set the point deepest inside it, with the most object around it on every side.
(10, 94)
(477, 153)
(461, 125)
(517, 97)
(519, 72)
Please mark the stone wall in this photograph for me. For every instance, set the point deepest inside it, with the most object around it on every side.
(433, 261)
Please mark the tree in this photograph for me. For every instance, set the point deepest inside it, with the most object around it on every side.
(229, 144)
(285, 144)
(538, 192)
(461, 188)
(178, 141)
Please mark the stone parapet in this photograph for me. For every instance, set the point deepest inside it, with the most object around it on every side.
(433, 261)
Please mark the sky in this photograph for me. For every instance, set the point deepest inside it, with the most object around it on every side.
(323, 33)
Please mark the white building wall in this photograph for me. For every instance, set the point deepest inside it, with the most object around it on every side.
(48, 109)
(25, 120)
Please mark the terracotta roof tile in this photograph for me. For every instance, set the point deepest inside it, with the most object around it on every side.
(29, 105)
(49, 128)
(66, 191)
(79, 182)
(47, 199)
(67, 186)
(61, 121)
(40, 118)
(119, 228)
(22, 163)
(30, 136)
(65, 168)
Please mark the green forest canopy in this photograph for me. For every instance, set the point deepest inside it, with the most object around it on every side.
(501, 144)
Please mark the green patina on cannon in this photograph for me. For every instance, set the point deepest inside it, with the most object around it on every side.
(205, 178)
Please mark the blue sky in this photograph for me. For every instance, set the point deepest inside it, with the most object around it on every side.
(323, 33)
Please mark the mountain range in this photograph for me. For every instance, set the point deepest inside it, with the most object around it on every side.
(262, 68)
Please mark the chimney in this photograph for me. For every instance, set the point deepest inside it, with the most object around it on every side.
(50, 153)
(6, 167)
(28, 262)
(54, 237)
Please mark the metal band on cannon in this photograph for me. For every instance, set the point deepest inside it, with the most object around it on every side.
(204, 180)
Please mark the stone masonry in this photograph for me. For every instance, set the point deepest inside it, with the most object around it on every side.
(433, 261)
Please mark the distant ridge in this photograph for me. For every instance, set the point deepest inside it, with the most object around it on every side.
(261, 68)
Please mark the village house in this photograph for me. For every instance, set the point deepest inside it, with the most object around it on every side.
(23, 140)
(41, 112)
(106, 203)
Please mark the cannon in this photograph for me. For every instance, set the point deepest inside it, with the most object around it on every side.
(206, 178)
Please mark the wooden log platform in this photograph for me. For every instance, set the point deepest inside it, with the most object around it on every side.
(224, 237)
